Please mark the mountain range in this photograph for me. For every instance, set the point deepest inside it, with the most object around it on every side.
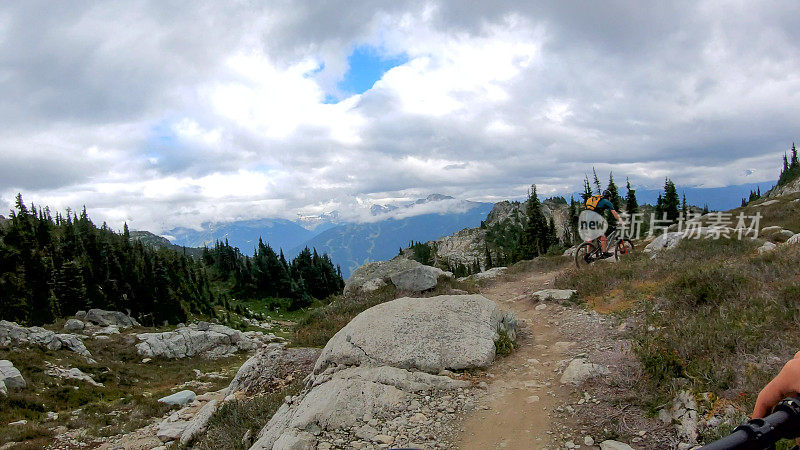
(386, 228)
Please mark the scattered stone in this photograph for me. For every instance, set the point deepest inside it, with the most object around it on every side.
(74, 325)
(106, 318)
(580, 370)
(614, 445)
(10, 376)
(179, 398)
(171, 431)
(18, 423)
(768, 246)
(383, 439)
(588, 441)
(51, 416)
(69, 374)
(553, 294)
(490, 274)
(105, 331)
(3, 388)
(794, 239)
(13, 334)
(540, 307)
(202, 338)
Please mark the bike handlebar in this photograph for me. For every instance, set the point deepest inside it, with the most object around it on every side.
(759, 434)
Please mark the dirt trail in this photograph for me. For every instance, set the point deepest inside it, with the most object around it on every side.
(527, 407)
(524, 386)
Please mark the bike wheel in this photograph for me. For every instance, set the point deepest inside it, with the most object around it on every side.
(623, 249)
(584, 254)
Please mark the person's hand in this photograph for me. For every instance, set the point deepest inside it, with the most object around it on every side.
(785, 384)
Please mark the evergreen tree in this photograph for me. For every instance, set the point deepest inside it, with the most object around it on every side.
(487, 256)
(614, 198)
(705, 209)
(596, 181)
(535, 239)
(670, 201)
(587, 189)
(684, 206)
(631, 205)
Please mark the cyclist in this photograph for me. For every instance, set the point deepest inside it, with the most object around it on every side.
(599, 204)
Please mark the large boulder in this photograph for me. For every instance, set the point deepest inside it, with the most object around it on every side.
(417, 279)
(426, 334)
(383, 362)
(372, 276)
(337, 400)
(202, 338)
(74, 325)
(10, 376)
(13, 334)
(270, 367)
(106, 318)
(179, 398)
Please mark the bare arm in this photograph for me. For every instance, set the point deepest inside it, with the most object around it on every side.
(785, 384)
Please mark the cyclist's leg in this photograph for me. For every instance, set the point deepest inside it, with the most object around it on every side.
(603, 243)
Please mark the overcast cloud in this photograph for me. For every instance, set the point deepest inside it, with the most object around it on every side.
(166, 113)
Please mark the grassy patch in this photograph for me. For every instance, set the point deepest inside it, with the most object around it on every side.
(233, 419)
(712, 311)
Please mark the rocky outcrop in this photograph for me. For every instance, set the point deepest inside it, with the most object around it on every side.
(198, 424)
(271, 366)
(107, 318)
(69, 374)
(13, 334)
(402, 333)
(766, 247)
(683, 413)
(382, 365)
(791, 187)
(410, 274)
(486, 274)
(10, 377)
(202, 338)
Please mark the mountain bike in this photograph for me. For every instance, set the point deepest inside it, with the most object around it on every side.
(591, 251)
(757, 434)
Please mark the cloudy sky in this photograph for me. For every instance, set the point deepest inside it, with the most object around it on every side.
(169, 113)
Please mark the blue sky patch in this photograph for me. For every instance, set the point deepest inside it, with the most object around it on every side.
(367, 65)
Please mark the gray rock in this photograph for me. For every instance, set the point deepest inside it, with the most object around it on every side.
(785, 234)
(580, 370)
(74, 325)
(772, 229)
(69, 374)
(416, 279)
(3, 388)
(371, 276)
(614, 445)
(106, 318)
(10, 376)
(198, 424)
(179, 398)
(13, 334)
(427, 334)
(490, 274)
(205, 339)
(665, 241)
(338, 400)
(265, 370)
(105, 331)
(683, 413)
(554, 294)
(794, 239)
(768, 246)
(81, 315)
(171, 431)
(18, 423)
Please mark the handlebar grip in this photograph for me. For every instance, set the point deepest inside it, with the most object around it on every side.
(758, 434)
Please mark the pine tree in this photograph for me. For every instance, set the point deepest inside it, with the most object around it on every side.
(684, 206)
(596, 181)
(670, 201)
(631, 205)
(534, 240)
(614, 198)
(487, 256)
(794, 162)
(587, 189)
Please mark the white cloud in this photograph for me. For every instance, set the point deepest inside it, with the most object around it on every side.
(163, 115)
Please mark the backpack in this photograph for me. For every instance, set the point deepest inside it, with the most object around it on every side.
(592, 202)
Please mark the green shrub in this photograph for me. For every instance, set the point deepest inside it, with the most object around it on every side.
(504, 345)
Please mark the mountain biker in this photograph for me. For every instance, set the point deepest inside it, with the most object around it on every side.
(599, 204)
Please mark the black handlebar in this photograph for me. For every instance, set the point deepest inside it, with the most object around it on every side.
(759, 434)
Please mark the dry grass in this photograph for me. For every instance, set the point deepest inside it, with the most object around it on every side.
(233, 420)
(714, 312)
